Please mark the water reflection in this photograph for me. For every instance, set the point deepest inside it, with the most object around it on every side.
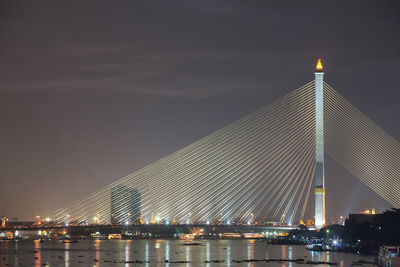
(188, 255)
(146, 251)
(283, 254)
(38, 253)
(16, 254)
(314, 255)
(208, 253)
(66, 253)
(167, 253)
(250, 251)
(159, 253)
(290, 256)
(228, 254)
(157, 247)
(127, 250)
(320, 256)
(97, 247)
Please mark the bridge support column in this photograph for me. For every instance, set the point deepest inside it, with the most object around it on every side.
(319, 176)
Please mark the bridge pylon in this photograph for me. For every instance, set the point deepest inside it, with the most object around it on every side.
(319, 175)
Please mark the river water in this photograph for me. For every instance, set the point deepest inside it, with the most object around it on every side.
(158, 252)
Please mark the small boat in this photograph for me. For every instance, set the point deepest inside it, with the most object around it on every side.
(192, 243)
(318, 247)
(69, 241)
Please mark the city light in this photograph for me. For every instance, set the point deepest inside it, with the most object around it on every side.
(319, 65)
(367, 211)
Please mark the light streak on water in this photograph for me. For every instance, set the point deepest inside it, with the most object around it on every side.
(66, 247)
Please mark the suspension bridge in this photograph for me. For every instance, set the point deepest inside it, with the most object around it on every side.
(263, 167)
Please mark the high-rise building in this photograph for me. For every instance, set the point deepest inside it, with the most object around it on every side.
(125, 204)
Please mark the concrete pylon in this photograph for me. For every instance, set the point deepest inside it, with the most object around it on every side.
(319, 176)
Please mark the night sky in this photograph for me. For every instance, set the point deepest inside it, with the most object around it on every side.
(91, 91)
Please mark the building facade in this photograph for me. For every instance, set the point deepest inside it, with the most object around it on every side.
(125, 205)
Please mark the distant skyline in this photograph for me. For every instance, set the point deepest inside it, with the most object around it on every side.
(92, 91)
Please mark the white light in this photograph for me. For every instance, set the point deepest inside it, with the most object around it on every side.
(208, 222)
(47, 219)
(187, 222)
(228, 222)
(126, 223)
(248, 223)
(166, 222)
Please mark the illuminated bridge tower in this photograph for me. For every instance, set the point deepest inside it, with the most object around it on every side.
(319, 178)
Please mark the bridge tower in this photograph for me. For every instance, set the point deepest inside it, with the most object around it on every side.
(319, 176)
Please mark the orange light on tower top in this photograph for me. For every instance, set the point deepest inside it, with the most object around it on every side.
(319, 65)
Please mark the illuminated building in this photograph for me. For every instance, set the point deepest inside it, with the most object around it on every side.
(125, 205)
(3, 222)
(319, 176)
